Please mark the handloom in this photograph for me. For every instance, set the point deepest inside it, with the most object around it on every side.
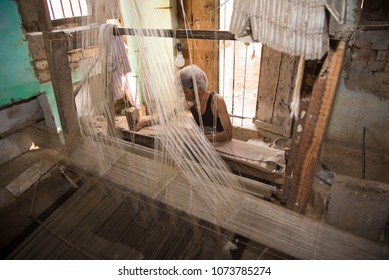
(184, 171)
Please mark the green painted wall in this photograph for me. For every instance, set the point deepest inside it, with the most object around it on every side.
(17, 78)
(154, 15)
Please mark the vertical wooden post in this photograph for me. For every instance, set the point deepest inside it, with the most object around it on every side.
(203, 15)
(56, 45)
(318, 116)
(132, 116)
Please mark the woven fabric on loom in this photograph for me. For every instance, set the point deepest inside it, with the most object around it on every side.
(296, 27)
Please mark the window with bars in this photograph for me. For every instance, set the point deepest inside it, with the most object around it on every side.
(63, 12)
(60, 9)
(239, 73)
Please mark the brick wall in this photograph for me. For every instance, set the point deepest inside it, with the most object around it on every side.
(367, 68)
(39, 61)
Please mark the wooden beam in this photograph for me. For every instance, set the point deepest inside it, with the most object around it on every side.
(167, 33)
(295, 146)
(35, 15)
(178, 33)
(315, 129)
(370, 27)
(56, 45)
(268, 126)
(266, 223)
(69, 21)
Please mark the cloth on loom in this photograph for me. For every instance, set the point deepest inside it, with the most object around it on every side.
(251, 152)
(122, 78)
(296, 27)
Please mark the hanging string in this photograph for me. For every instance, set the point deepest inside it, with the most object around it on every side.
(183, 176)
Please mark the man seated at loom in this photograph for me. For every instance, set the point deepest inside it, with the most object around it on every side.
(247, 158)
(211, 106)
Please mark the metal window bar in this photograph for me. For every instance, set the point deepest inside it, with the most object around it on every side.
(51, 10)
(244, 83)
(79, 4)
(71, 8)
(238, 75)
(233, 84)
(224, 48)
(63, 10)
(224, 68)
(238, 66)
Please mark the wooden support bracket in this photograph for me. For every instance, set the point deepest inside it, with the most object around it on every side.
(315, 129)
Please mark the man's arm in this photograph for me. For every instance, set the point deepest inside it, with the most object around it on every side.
(221, 110)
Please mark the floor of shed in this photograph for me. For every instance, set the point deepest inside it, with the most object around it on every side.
(54, 220)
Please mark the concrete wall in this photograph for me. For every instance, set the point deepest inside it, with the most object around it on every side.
(156, 14)
(362, 100)
(363, 96)
(354, 110)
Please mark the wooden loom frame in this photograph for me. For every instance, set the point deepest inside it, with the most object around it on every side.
(321, 240)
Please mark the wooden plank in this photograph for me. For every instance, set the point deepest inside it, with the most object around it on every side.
(134, 137)
(41, 202)
(269, 127)
(69, 21)
(370, 27)
(243, 151)
(66, 233)
(245, 168)
(268, 83)
(44, 103)
(266, 223)
(281, 115)
(56, 45)
(295, 144)
(275, 91)
(318, 116)
(199, 34)
(254, 172)
(25, 180)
